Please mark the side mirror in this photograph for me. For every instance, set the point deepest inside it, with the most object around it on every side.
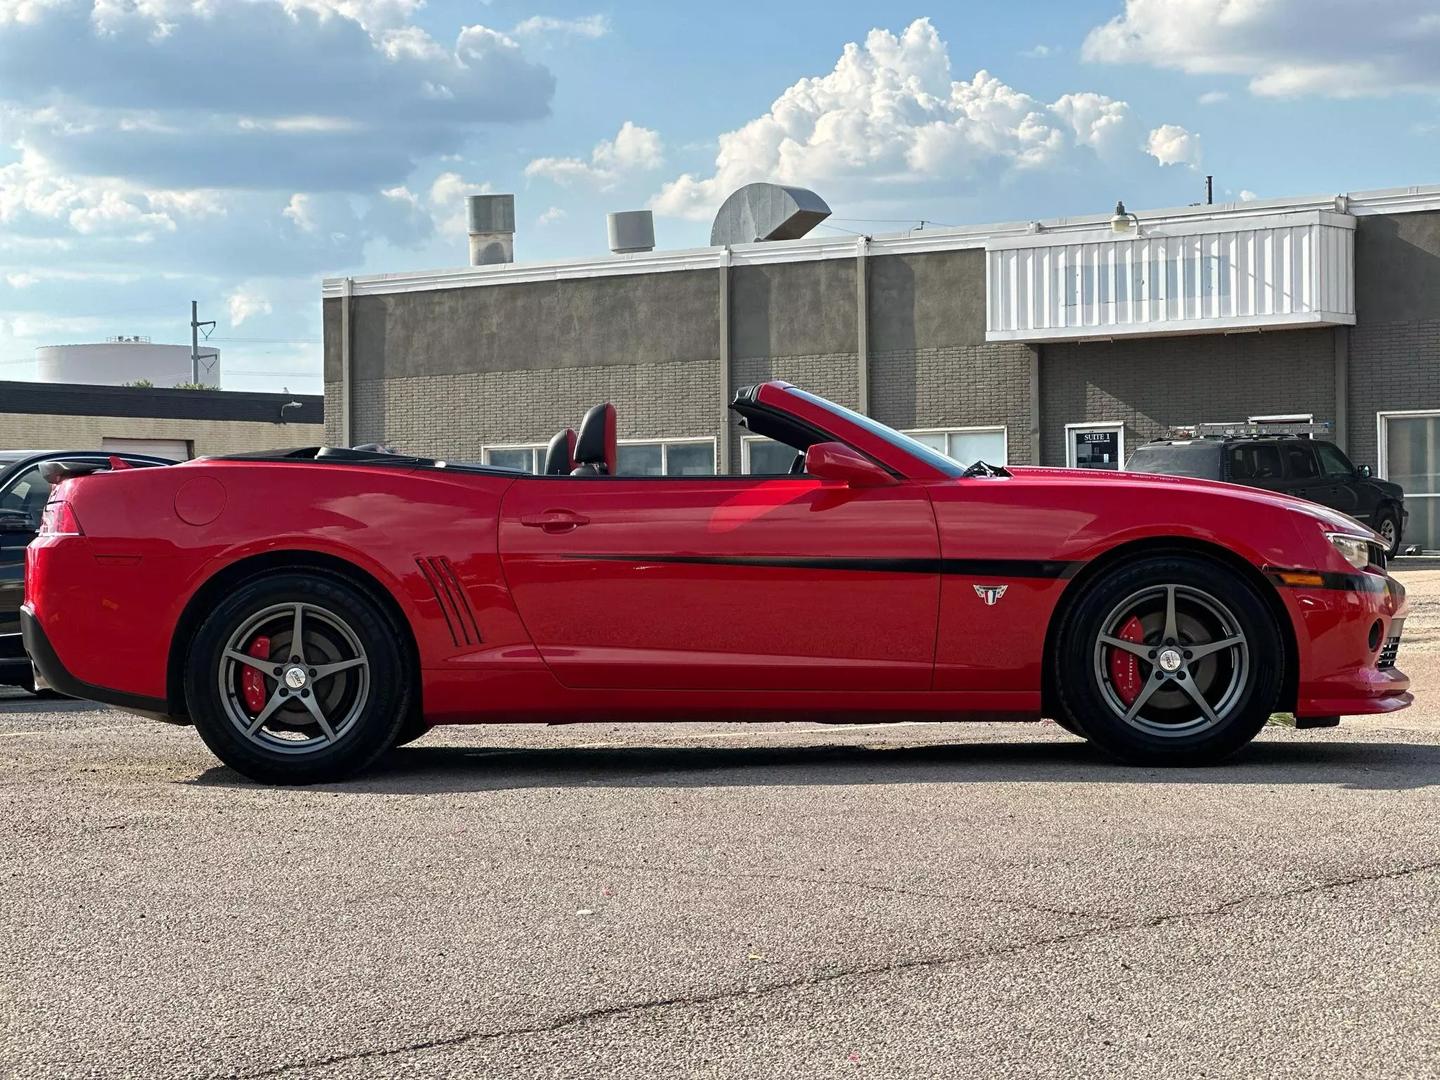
(836, 461)
(16, 521)
(1363, 472)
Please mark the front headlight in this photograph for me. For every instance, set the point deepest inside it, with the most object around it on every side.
(1355, 549)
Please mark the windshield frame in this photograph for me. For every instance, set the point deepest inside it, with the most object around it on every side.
(897, 439)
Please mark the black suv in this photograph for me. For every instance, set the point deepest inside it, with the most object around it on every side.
(1291, 464)
(23, 493)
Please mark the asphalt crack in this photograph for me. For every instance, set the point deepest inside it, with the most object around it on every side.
(795, 879)
(587, 1016)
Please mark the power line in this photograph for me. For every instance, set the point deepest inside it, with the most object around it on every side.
(272, 341)
(899, 221)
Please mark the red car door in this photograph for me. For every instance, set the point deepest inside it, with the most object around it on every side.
(725, 583)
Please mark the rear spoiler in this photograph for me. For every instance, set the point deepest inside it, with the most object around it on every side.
(52, 472)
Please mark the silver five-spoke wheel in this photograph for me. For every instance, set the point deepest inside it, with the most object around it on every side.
(1171, 660)
(293, 678)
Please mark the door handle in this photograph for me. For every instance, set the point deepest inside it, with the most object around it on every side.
(554, 521)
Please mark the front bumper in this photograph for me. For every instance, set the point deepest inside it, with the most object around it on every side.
(55, 675)
(1347, 633)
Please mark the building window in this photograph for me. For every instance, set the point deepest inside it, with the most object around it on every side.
(528, 457)
(667, 457)
(760, 456)
(968, 445)
(1410, 456)
(1095, 446)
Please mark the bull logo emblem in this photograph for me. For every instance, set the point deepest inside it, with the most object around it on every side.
(991, 594)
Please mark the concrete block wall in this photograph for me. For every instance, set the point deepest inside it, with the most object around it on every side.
(956, 386)
(1155, 384)
(456, 416)
(1393, 366)
(44, 430)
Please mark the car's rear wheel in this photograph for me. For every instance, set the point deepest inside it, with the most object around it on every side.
(1066, 723)
(1170, 660)
(1387, 524)
(297, 678)
(412, 729)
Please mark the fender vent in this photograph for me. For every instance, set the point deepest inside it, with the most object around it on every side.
(450, 595)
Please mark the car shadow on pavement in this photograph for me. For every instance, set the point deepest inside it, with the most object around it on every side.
(443, 769)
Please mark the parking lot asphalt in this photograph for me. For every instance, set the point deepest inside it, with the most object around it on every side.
(768, 901)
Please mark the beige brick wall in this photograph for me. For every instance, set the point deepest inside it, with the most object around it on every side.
(38, 431)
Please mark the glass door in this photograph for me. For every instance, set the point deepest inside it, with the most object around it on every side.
(1095, 446)
(1410, 457)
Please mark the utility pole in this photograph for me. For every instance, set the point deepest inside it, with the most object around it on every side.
(195, 327)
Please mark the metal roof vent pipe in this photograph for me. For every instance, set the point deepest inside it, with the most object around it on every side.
(631, 231)
(491, 221)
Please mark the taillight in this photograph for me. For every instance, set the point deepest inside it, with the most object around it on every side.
(59, 520)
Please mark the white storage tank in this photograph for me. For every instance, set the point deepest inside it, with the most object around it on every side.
(124, 360)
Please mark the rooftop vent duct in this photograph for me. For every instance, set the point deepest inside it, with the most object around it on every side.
(491, 220)
(630, 231)
(758, 212)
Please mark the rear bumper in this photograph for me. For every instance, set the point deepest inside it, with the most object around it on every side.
(1342, 631)
(58, 677)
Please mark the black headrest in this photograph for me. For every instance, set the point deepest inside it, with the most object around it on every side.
(560, 454)
(595, 446)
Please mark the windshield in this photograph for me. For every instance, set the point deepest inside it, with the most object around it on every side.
(914, 447)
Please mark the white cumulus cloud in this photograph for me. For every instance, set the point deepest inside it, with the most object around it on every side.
(285, 94)
(890, 116)
(587, 26)
(245, 304)
(1171, 144)
(634, 149)
(1333, 48)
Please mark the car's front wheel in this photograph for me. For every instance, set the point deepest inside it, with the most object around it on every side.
(297, 678)
(1170, 660)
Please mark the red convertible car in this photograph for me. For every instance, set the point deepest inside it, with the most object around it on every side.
(309, 609)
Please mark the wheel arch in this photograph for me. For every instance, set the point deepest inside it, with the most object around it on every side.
(1160, 546)
(232, 575)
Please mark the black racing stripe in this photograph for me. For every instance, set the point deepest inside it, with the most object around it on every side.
(1331, 580)
(1019, 568)
(1011, 568)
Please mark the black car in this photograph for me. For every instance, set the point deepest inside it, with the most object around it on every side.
(22, 498)
(1292, 464)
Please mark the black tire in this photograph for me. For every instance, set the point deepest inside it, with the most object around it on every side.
(1387, 524)
(373, 698)
(413, 728)
(1171, 727)
(1067, 723)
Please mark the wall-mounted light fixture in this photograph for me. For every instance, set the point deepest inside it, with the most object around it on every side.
(1123, 221)
(290, 405)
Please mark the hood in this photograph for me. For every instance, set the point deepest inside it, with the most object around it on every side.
(1144, 482)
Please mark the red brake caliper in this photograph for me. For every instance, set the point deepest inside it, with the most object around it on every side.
(1125, 666)
(252, 683)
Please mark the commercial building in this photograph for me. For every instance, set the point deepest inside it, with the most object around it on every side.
(179, 424)
(1057, 342)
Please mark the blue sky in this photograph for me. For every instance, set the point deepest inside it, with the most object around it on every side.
(236, 151)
